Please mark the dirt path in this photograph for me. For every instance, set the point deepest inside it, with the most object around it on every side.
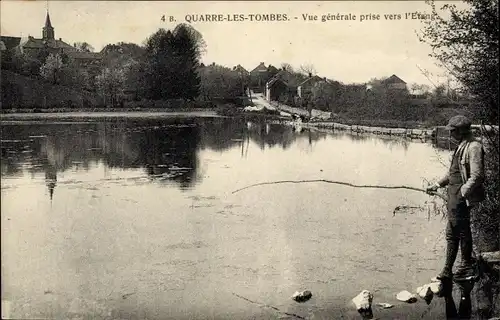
(259, 100)
(315, 113)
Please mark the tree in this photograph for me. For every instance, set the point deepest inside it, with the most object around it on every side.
(160, 65)
(439, 92)
(26, 65)
(466, 44)
(219, 82)
(113, 53)
(132, 59)
(186, 50)
(84, 46)
(172, 62)
(42, 54)
(195, 36)
(134, 77)
(421, 89)
(52, 67)
(323, 94)
(308, 69)
(71, 75)
(110, 84)
(287, 67)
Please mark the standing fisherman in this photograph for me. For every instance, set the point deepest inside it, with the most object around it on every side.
(464, 179)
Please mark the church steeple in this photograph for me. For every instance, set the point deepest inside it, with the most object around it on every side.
(48, 30)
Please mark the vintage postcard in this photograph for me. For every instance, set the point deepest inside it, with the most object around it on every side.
(249, 159)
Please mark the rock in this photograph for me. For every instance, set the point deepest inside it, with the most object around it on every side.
(405, 296)
(363, 303)
(425, 293)
(385, 305)
(491, 257)
(436, 288)
(302, 296)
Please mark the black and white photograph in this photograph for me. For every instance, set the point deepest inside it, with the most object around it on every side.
(253, 160)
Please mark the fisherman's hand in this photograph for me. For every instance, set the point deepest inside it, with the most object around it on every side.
(432, 189)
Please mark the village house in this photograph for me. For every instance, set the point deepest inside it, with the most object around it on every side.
(282, 83)
(394, 83)
(275, 88)
(306, 86)
(261, 68)
(32, 46)
(258, 77)
(241, 71)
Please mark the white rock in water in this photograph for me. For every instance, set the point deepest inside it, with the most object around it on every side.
(405, 296)
(302, 296)
(436, 287)
(363, 301)
(425, 293)
(385, 305)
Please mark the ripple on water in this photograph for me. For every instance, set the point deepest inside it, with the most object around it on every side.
(186, 246)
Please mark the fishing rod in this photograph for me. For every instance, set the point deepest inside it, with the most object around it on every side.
(345, 184)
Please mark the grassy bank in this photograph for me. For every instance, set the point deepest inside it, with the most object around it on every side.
(95, 110)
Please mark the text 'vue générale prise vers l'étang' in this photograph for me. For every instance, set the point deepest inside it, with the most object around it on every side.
(278, 17)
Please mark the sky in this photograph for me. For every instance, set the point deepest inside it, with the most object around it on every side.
(350, 51)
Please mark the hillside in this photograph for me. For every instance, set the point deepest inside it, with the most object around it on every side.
(18, 91)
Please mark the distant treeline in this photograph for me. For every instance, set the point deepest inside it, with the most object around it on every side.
(165, 72)
(165, 68)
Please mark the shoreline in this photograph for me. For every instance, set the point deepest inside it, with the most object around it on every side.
(424, 133)
(350, 125)
(61, 114)
(93, 114)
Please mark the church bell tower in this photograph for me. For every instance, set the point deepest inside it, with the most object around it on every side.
(48, 30)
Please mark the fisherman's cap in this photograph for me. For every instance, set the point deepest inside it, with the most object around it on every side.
(459, 122)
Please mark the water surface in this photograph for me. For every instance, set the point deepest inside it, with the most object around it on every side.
(136, 219)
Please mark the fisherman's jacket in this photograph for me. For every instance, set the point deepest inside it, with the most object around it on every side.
(471, 169)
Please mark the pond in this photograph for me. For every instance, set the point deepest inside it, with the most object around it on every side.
(137, 219)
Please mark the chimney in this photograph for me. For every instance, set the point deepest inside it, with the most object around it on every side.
(60, 39)
(74, 44)
(310, 75)
(324, 78)
(283, 68)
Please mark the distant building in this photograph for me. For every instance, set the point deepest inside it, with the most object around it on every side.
(261, 68)
(240, 70)
(281, 83)
(394, 82)
(272, 70)
(306, 86)
(258, 77)
(275, 88)
(48, 43)
(10, 43)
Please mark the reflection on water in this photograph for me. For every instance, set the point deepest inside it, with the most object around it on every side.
(165, 151)
(137, 218)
